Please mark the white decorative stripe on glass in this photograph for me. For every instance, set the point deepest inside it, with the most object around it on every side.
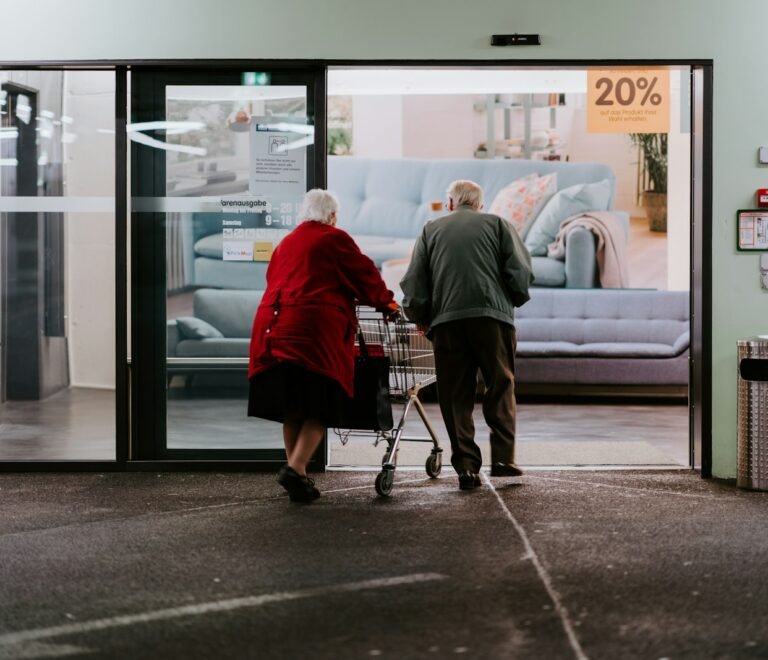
(57, 204)
(74, 204)
(176, 204)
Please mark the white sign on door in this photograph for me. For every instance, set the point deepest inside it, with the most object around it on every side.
(278, 157)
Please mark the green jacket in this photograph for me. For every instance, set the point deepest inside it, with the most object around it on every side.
(466, 264)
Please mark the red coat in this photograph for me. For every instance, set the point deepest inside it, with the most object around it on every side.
(307, 315)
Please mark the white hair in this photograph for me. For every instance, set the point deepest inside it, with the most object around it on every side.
(466, 193)
(319, 205)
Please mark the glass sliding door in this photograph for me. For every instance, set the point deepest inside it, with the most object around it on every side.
(57, 265)
(220, 164)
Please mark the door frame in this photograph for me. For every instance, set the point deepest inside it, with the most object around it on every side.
(700, 273)
(700, 379)
(148, 441)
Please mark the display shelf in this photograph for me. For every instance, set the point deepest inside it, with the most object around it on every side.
(527, 106)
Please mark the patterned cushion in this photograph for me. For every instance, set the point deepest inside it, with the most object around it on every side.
(520, 201)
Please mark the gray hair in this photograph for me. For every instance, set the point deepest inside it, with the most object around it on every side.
(319, 205)
(466, 193)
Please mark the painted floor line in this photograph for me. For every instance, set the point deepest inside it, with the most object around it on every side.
(543, 575)
(37, 634)
(141, 516)
(652, 491)
(29, 650)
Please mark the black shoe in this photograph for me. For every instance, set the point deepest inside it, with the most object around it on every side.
(469, 480)
(310, 481)
(505, 470)
(300, 489)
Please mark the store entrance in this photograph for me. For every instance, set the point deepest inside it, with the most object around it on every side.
(219, 164)
(219, 161)
(576, 156)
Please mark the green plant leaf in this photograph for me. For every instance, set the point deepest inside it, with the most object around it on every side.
(654, 149)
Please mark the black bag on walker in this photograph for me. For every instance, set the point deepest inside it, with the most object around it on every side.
(371, 408)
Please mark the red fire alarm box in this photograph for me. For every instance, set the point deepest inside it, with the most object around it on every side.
(762, 197)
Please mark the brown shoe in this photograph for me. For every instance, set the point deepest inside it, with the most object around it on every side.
(505, 470)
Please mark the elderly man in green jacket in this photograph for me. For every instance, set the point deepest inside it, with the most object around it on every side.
(468, 272)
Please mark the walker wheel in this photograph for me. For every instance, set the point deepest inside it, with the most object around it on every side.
(384, 482)
(434, 465)
(393, 458)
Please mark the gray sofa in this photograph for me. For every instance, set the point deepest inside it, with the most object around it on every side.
(230, 312)
(567, 337)
(384, 205)
(603, 337)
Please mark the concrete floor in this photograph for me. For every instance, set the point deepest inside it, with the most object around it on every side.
(79, 424)
(553, 433)
(550, 565)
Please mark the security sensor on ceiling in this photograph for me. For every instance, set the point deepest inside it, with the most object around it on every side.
(515, 40)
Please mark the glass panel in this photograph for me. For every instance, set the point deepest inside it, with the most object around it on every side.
(57, 265)
(236, 172)
(419, 128)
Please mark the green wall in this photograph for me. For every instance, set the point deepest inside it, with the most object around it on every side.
(732, 34)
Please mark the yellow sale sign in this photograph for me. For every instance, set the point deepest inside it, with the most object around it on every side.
(262, 250)
(621, 101)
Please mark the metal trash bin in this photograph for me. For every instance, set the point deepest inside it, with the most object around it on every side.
(753, 413)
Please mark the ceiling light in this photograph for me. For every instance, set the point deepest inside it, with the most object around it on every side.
(141, 138)
(175, 126)
(170, 127)
(224, 93)
(367, 81)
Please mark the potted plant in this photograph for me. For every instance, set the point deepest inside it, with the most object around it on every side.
(653, 147)
(339, 142)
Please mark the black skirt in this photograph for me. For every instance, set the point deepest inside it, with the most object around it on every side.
(289, 391)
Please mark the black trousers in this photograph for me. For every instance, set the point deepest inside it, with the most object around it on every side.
(461, 349)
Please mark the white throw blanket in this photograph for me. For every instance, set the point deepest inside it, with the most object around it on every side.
(611, 246)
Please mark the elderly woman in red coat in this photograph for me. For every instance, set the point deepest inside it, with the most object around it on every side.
(302, 346)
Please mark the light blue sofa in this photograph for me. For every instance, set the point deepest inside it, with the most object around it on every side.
(565, 336)
(385, 204)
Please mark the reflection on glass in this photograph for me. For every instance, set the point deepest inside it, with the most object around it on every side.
(241, 153)
(57, 328)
